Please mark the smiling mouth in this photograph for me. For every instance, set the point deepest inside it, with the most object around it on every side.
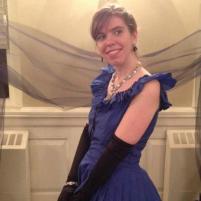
(112, 52)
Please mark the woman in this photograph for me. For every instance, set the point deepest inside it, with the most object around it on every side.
(125, 106)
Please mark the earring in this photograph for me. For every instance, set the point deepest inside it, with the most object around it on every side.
(134, 48)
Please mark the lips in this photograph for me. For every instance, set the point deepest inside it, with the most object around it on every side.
(112, 52)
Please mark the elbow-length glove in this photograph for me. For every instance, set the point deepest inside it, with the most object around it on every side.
(71, 182)
(113, 154)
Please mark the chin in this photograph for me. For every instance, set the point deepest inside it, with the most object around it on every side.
(116, 62)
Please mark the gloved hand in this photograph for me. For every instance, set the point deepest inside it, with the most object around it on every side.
(66, 193)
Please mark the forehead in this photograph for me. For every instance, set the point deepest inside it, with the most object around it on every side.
(111, 23)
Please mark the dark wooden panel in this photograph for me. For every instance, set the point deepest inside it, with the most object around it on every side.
(4, 90)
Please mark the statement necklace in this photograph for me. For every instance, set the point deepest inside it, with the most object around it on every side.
(115, 87)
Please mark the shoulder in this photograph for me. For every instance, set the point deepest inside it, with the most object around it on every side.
(150, 92)
(153, 85)
(104, 72)
(101, 81)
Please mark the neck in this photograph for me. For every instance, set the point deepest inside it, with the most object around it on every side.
(123, 70)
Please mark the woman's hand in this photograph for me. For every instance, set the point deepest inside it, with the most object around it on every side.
(66, 193)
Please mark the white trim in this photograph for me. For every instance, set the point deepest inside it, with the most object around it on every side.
(43, 116)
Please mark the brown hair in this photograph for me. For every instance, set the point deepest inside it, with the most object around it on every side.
(102, 15)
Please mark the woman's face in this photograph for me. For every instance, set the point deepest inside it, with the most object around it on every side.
(115, 42)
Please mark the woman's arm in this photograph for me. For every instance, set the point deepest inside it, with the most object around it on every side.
(139, 113)
(72, 179)
(82, 148)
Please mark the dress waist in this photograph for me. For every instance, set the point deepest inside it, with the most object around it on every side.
(96, 150)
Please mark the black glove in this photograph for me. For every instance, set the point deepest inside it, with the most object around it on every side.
(82, 148)
(67, 192)
(113, 154)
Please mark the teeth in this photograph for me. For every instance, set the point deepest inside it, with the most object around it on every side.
(113, 52)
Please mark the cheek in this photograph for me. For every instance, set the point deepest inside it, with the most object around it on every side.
(129, 44)
(99, 48)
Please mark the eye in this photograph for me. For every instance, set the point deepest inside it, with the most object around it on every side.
(100, 37)
(117, 32)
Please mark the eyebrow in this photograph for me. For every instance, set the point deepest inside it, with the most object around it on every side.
(117, 27)
(112, 29)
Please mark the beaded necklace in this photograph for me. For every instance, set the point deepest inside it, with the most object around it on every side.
(115, 87)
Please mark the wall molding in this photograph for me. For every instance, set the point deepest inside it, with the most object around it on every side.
(55, 132)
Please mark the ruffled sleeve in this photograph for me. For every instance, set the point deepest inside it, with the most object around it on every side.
(167, 82)
(100, 83)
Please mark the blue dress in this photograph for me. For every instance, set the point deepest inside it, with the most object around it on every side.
(129, 182)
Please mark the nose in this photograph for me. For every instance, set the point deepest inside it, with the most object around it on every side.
(109, 40)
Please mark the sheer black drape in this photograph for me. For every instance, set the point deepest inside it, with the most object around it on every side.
(4, 91)
(2, 101)
(198, 132)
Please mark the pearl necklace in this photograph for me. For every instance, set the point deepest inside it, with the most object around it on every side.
(115, 87)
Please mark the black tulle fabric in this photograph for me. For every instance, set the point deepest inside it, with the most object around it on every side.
(60, 74)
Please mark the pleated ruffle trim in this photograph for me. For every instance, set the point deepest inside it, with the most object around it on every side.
(100, 84)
